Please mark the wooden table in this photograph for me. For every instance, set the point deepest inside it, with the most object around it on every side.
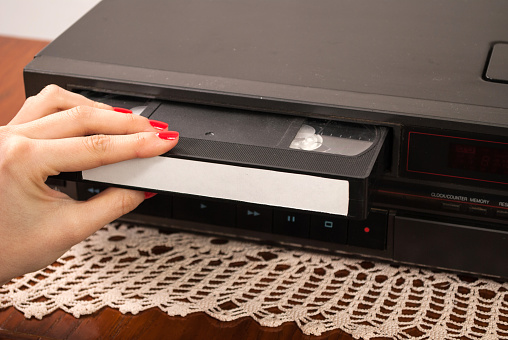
(109, 323)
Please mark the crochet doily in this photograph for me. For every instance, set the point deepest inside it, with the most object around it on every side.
(132, 269)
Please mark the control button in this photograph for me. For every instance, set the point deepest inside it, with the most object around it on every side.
(451, 206)
(291, 222)
(159, 205)
(88, 190)
(369, 233)
(497, 69)
(54, 182)
(502, 213)
(330, 228)
(203, 210)
(478, 210)
(254, 217)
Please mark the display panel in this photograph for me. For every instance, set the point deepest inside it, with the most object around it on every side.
(457, 157)
(478, 159)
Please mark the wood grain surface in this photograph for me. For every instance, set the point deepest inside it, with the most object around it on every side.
(109, 323)
(14, 55)
(150, 324)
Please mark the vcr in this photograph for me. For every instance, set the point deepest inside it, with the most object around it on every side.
(375, 129)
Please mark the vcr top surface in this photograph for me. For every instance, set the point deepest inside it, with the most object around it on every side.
(418, 58)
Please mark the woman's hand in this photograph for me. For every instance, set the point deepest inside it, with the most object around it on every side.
(59, 131)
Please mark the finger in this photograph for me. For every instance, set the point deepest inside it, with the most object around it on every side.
(50, 100)
(107, 206)
(82, 153)
(87, 120)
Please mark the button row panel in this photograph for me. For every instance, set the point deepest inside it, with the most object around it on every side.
(369, 233)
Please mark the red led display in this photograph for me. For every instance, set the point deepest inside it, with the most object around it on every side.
(457, 157)
(478, 158)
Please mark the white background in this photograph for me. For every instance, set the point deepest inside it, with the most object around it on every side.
(40, 19)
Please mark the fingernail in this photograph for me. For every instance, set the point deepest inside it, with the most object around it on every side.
(149, 195)
(158, 125)
(168, 135)
(119, 109)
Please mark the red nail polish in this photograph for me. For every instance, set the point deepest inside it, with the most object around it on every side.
(149, 195)
(158, 125)
(168, 135)
(121, 110)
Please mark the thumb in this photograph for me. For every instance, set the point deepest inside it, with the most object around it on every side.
(87, 217)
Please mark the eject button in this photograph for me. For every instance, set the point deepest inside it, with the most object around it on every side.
(497, 69)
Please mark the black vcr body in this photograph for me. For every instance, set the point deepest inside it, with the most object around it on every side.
(372, 128)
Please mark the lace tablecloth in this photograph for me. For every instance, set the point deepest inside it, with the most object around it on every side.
(132, 269)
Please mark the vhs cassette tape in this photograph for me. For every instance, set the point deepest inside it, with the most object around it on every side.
(308, 164)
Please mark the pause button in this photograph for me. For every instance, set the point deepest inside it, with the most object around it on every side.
(291, 223)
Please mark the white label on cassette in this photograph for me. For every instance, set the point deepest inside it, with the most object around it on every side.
(259, 186)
